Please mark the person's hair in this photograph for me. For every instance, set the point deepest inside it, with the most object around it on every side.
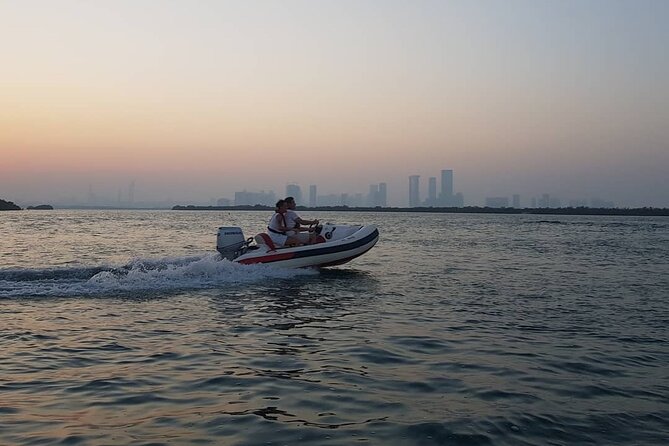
(280, 203)
(289, 200)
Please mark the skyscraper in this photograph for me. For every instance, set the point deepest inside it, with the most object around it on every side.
(293, 190)
(544, 201)
(447, 184)
(378, 195)
(312, 196)
(432, 192)
(373, 195)
(414, 191)
(383, 195)
(446, 196)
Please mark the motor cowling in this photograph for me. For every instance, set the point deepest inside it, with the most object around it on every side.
(230, 242)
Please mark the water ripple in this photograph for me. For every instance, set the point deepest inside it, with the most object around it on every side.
(455, 329)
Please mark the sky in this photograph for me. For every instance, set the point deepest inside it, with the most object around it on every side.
(196, 100)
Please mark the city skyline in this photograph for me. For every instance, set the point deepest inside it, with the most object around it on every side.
(376, 196)
(198, 100)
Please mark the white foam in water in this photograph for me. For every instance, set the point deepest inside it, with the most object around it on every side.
(173, 273)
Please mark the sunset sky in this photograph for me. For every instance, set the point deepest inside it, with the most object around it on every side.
(196, 99)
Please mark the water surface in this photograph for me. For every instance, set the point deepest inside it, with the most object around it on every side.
(124, 327)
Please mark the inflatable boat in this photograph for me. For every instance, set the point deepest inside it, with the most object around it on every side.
(333, 245)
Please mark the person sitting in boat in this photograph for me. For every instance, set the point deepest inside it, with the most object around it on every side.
(300, 228)
(278, 230)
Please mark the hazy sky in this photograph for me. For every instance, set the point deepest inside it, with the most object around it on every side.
(197, 99)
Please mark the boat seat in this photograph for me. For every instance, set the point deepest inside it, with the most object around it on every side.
(264, 239)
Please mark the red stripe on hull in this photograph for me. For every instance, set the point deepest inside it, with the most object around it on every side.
(268, 259)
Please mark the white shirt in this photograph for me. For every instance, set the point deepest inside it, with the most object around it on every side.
(291, 217)
(276, 222)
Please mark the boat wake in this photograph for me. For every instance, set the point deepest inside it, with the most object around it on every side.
(167, 274)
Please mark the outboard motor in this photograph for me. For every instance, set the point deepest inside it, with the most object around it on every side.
(230, 242)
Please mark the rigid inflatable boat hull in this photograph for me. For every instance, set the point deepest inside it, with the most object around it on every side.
(330, 253)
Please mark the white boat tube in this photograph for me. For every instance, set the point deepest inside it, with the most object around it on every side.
(336, 245)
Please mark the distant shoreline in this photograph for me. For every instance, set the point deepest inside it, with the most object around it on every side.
(641, 212)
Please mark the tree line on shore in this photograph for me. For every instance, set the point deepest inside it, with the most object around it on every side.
(8, 206)
(644, 211)
(11, 206)
(582, 210)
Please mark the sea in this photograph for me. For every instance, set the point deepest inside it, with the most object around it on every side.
(126, 328)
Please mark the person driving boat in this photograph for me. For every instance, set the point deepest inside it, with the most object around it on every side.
(305, 235)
